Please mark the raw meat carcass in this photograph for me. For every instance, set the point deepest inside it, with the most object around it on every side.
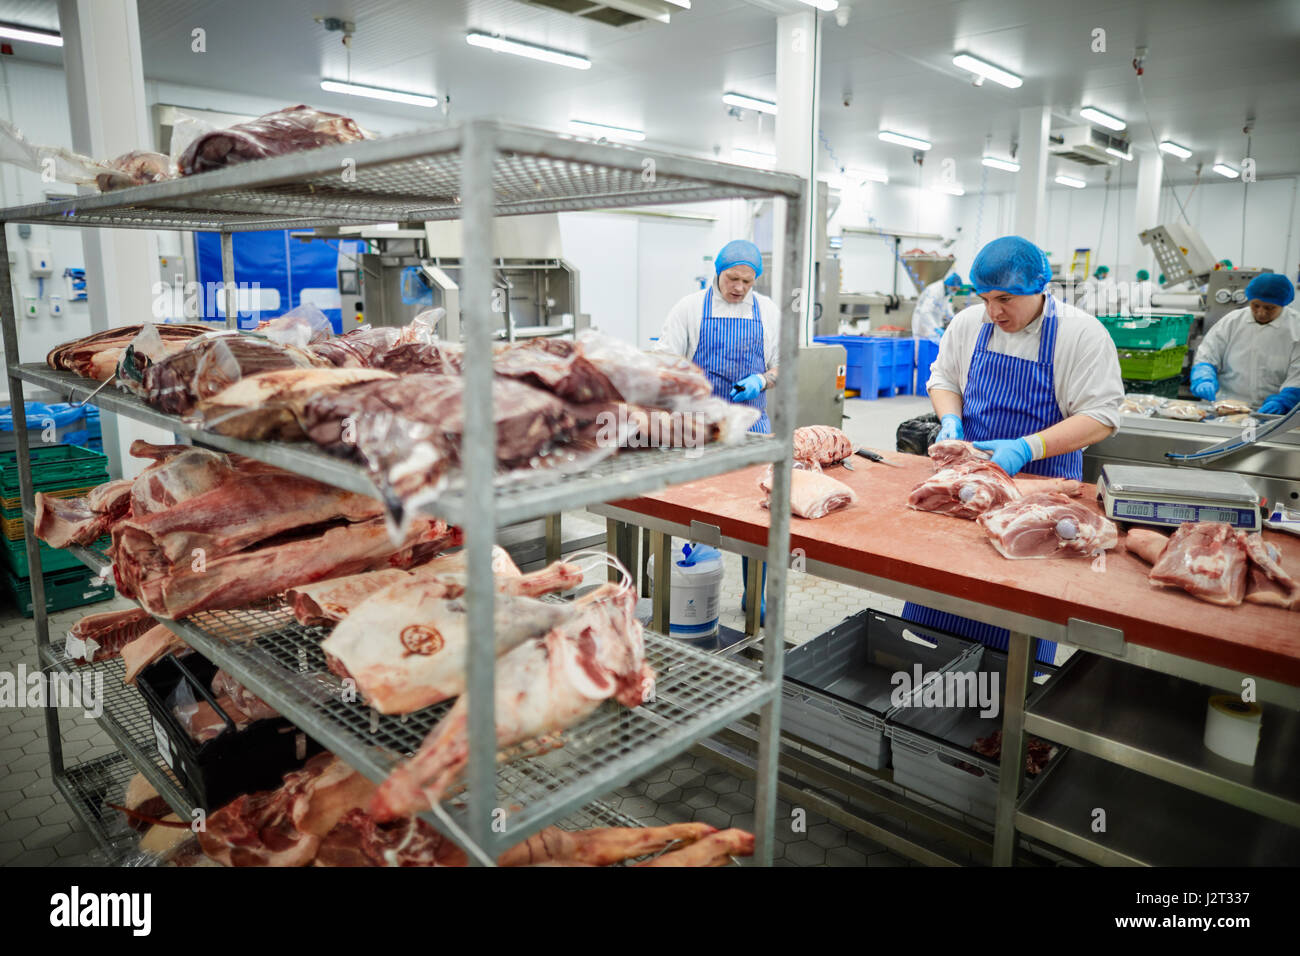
(822, 444)
(97, 637)
(966, 489)
(555, 366)
(1037, 752)
(717, 849)
(96, 356)
(360, 348)
(178, 473)
(406, 645)
(542, 686)
(1269, 583)
(206, 366)
(601, 846)
(1206, 559)
(249, 705)
(440, 358)
(1048, 524)
(360, 840)
(812, 494)
(274, 134)
(1146, 544)
(654, 379)
(136, 168)
(949, 452)
(64, 521)
(267, 406)
(150, 646)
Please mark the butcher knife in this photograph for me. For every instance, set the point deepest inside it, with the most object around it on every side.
(876, 457)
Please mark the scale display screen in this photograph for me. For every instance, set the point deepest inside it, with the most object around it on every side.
(1134, 509)
(1176, 512)
(1168, 512)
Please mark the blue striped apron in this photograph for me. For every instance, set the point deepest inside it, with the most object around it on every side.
(731, 348)
(1008, 397)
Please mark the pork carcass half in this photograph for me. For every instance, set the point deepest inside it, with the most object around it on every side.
(1048, 524)
(288, 130)
(822, 444)
(97, 637)
(64, 521)
(812, 494)
(1206, 559)
(542, 686)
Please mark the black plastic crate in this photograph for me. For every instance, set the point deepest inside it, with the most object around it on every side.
(216, 771)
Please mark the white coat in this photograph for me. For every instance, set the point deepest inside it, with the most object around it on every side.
(1253, 361)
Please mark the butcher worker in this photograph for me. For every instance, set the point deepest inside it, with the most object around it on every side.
(730, 331)
(1253, 354)
(1025, 377)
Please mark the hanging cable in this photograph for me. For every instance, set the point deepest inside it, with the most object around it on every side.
(1244, 187)
(1156, 143)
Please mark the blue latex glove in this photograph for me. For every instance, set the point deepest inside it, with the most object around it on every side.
(1009, 454)
(748, 388)
(951, 430)
(1281, 403)
(1204, 381)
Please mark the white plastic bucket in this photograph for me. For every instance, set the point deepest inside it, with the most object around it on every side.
(694, 596)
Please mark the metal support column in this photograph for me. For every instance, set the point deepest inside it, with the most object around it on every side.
(553, 532)
(1011, 767)
(228, 280)
(754, 606)
(661, 546)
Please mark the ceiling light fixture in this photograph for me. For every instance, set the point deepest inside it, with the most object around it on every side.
(375, 93)
(1173, 149)
(1004, 164)
(1095, 115)
(1128, 157)
(31, 36)
(609, 132)
(1223, 170)
(530, 50)
(827, 5)
(749, 103)
(982, 68)
(900, 140)
(1071, 182)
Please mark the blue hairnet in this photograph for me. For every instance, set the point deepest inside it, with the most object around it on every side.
(1143, 275)
(1271, 287)
(1101, 271)
(1011, 264)
(953, 280)
(739, 252)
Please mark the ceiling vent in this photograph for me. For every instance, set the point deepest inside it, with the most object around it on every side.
(615, 13)
(1087, 146)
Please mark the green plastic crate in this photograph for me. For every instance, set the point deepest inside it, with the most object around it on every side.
(1147, 331)
(1164, 387)
(53, 467)
(1151, 364)
(14, 554)
(63, 589)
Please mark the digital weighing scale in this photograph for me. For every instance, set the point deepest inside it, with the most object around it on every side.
(1170, 496)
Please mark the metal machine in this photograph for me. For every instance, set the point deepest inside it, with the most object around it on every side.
(821, 385)
(1181, 253)
(1226, 293)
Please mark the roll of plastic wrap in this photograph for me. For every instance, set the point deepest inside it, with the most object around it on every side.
(1176, 300)
(1232, 728)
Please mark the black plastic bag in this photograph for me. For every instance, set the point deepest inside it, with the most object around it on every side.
(916, 435)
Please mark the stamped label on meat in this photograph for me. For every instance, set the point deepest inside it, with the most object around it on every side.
(421, 639)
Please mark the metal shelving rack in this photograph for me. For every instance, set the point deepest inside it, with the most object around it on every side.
(473, 172)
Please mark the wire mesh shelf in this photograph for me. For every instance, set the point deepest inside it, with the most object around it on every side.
(89, 787)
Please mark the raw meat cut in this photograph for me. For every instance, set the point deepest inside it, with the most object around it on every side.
(1048, 524)
(949, 452)
(153, 644)
(440, 358)
(1269, 583)
(406, 645)
(64, 521)
(654, 379)
(267, 406)
(360, 348)
(326, 602)
(822, 444)
(97, 637)
(143, 800)
(717, 849)
(249, 705)
(202, 721)
(1037, 753)
(1206, 559)
(555, 366)
(178, 473)
(812, 494)
(408, 430)
(1147, 545)
(600, 846)
(288, 130)
(966, 489)
(360, 840)
(542, 686)
(1183, 411)
(1230, 406)
(96, 356)
(206, 366)
(136, 168)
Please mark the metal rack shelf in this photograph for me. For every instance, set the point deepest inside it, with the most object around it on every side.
(88, 787)
(1154, 723)
(623, 475)
(1148, 821)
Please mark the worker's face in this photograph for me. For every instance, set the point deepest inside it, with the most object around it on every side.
(1264, 312)
(735, 283)
(1010, 312)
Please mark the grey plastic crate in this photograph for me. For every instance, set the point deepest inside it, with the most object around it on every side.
(930, 744)
(839, 685)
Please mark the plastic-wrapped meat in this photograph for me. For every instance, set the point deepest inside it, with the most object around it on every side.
(1269, 583)
(555, 366)
(64, 521)
(249, 705)
(441, 358)
(812, 494)
(203, 368)
(645, 378)
(965, 490)
(178, 473)
(136, 168)
(360, 348)
(1183, 411)
(268, 406)
(284, 131)
(822, 444)
(1206, 559)
(1048, 524)
(1230, 406)
(96, 356)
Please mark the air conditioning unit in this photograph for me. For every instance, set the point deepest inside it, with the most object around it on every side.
(1086, 145)
(617, 13)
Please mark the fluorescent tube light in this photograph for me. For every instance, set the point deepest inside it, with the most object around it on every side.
(375, 93)
(1071, 182)
(1128, 157)
(1223, 170)
(1004, 164)
(900, 140)
(981, 68)
(749, 103)
(1173, 149)
(609, 132)
(1102, 119)
(827, 5)
(530, 50)
(31, 36)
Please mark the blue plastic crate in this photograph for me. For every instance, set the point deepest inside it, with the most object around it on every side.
(927, 350)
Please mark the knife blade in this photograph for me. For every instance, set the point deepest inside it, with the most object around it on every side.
(876, 457)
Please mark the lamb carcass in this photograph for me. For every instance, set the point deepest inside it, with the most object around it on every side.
(1048, 524)
(542, 686)
(812, 494)
(1205, 559)
(64, 521)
